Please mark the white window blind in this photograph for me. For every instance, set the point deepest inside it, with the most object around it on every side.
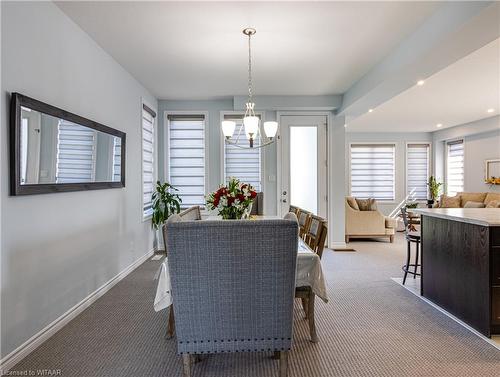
(186, 154)
(372, 171)
(417, 171)
(117, 158)
(148, 150)
(75, 162)
(454, 167)
(243, 164)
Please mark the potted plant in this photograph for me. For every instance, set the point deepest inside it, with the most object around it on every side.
(434, 187)
(233, 200)
(165, 203)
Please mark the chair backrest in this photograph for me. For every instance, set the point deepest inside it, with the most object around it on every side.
(304, 221)
(233, 284)
(293, 209)
(258, 204)
(316, 235)
(192, 213)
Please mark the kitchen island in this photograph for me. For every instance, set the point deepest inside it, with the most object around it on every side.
(461, 264)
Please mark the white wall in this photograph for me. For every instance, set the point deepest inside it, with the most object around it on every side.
(58, 248)
(481, 142)
(400, 140)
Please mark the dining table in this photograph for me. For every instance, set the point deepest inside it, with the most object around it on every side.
(309, 273)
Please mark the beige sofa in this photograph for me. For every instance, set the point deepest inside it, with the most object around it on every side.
(481, 197)
(367, 224)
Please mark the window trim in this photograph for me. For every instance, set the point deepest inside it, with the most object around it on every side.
(395, 144)
(262, 115)
(166, 135)
(146, 106)
(407, 143)
(446, 143)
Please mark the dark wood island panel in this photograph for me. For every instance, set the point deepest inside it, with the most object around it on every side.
(461, 270)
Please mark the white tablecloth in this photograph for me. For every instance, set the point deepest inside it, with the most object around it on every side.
(309, 274)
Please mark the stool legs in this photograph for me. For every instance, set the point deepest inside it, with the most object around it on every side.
(407, 265)
(416, 260)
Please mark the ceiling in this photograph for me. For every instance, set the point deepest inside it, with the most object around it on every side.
(458, 94)
(186, 50)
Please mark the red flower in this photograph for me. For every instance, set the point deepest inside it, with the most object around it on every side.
(253, 194)
(241, 197)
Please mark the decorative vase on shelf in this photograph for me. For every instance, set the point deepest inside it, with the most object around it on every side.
(232, 201)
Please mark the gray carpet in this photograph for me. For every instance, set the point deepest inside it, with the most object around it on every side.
(371, 327)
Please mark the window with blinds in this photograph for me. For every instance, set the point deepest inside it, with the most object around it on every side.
(243, 164)
(148, 162)
(117, 158)
(417, 171)
(76, 153)
(372, 171)
(454, 167)
(186, 158)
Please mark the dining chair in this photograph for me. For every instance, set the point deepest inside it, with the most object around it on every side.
(316, 234)
(315, 238)
(304, 222)
(293, 209)
(233, 291)
(191, 213)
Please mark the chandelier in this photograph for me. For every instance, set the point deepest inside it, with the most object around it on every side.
(251, 122)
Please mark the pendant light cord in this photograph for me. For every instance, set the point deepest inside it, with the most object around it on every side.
(249, 69)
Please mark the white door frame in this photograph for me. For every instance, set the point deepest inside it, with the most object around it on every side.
(279, 162)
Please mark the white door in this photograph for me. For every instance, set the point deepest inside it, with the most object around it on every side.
(303, 163)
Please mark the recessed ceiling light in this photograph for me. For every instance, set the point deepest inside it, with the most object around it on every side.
(345, 125)
(370, 110)
(420, 82)
(490, 110)
(439, 125)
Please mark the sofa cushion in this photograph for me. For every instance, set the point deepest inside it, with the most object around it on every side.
(352, 203)
(367, 204)
(449, 201)
(471, 197)
(493, 204)
(490, 196)
(471, 204)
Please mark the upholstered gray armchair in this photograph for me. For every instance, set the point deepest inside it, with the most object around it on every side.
(233, 285)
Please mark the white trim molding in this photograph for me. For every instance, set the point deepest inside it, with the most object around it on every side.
(36, 340)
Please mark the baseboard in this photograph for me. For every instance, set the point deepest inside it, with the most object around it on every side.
(338, 245)
(36, 340)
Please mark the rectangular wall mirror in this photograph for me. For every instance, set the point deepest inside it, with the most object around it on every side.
(52, 150)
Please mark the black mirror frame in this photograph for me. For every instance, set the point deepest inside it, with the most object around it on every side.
(18, 100)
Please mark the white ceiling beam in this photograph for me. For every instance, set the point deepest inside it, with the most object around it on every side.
(298, 103)
(454, 31)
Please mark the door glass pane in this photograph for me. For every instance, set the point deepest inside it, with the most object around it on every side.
(304, 167)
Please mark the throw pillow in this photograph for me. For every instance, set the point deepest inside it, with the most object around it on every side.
(471, 204)
(449, 201)
(493, 204)
(352, 203)
(367, 204)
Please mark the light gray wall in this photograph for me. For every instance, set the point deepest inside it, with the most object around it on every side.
(481, 142)
(56, 249)
(400, 140)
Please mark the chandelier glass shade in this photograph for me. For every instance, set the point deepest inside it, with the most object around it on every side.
(251, 122)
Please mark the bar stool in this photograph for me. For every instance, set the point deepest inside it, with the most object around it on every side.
(411, 237)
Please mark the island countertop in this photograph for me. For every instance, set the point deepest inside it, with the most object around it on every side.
(478, 216)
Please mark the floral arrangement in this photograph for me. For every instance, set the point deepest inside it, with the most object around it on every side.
(231, 201)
